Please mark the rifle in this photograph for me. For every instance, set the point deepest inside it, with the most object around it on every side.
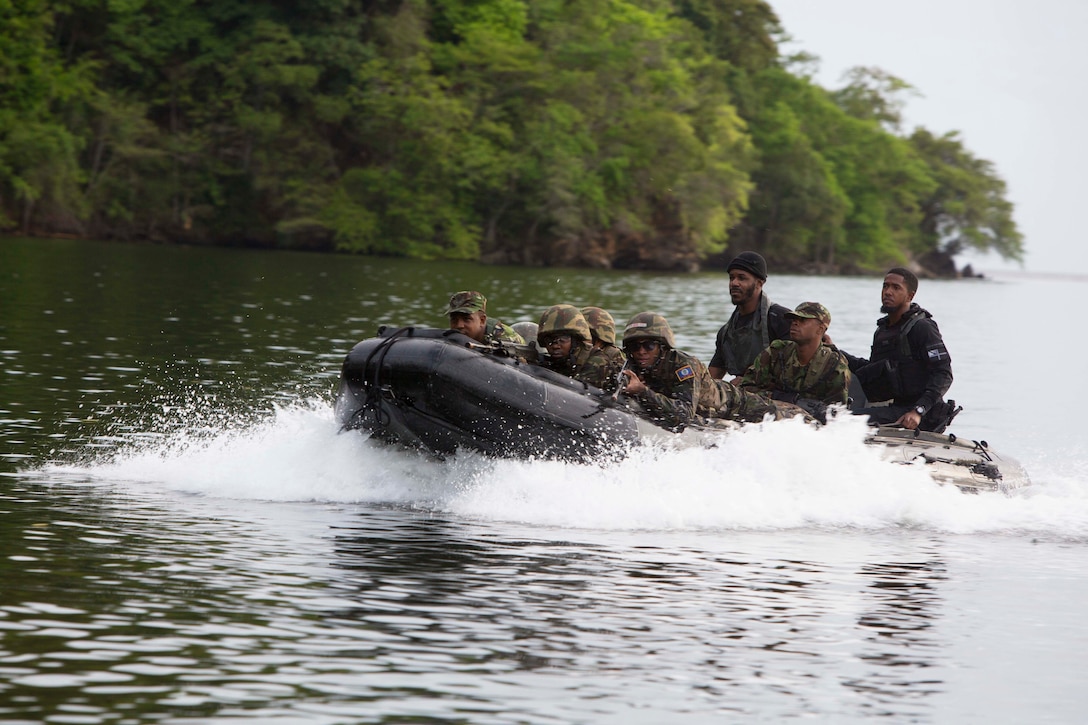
(621, 383)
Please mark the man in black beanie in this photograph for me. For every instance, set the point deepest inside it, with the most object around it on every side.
(755, 322)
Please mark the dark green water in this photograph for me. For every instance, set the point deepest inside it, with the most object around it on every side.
(186, 538)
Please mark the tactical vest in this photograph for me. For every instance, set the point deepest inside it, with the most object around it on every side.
(742, 345)
(898, 375)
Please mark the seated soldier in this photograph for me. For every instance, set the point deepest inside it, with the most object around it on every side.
(909, 366)
(603, 328)
(467, 312)
(674, 388)
(564, 333)
(802, 371)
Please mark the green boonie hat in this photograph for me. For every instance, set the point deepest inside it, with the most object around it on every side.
(651, 325)
(466, 302)
(601, 323)
(811, 311)
(563, 318)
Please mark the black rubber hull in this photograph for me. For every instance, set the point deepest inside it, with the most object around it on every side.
(440, 391)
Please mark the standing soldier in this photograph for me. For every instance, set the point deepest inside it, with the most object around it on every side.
(755, 322)
(564, 333)
(467, 312)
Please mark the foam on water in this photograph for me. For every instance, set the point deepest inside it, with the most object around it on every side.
(773, 476)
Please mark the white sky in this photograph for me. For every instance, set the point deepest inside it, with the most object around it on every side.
(1010, 75)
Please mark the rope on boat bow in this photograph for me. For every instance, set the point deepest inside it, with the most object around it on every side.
(374, 387)
(981, 448)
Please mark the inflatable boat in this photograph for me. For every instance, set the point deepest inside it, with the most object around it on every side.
(440, 391)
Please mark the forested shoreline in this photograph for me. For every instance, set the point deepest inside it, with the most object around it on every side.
(633, 134)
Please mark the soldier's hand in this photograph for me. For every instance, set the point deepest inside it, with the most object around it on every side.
(634, 385)
(909, 420)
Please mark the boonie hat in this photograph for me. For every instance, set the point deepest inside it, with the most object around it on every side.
(466, 302)
(811, 311)
(751, 263)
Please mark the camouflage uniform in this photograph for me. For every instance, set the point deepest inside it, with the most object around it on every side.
(603, 328)
(615, 357)
(826, 378)
(584, 363)
(797, 388)
(679, 387)
(495, 330)
(587, 364)
(499, 331)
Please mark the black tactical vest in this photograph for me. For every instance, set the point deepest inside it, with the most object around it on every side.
(908, 375)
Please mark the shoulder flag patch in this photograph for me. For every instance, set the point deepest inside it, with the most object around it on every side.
(937, 352)
(685, 373)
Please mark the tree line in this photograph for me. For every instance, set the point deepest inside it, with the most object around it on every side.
(646, 134)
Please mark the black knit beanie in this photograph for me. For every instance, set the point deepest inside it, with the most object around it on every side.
(750, 262)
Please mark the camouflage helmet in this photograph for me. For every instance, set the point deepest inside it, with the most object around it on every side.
(563, 318)
(651, 325)
(601, 324)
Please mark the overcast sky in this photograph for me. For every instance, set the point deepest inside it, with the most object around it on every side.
(1010, 75)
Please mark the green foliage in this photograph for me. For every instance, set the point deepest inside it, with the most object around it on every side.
(832, 189)
(409, 196)
(798, 208)
(649, 133)
(741, 32)
(626, 125)
(968, 208)
(874, 95)
(38, 153)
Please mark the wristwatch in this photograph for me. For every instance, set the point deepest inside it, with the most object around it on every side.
(920, 410)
